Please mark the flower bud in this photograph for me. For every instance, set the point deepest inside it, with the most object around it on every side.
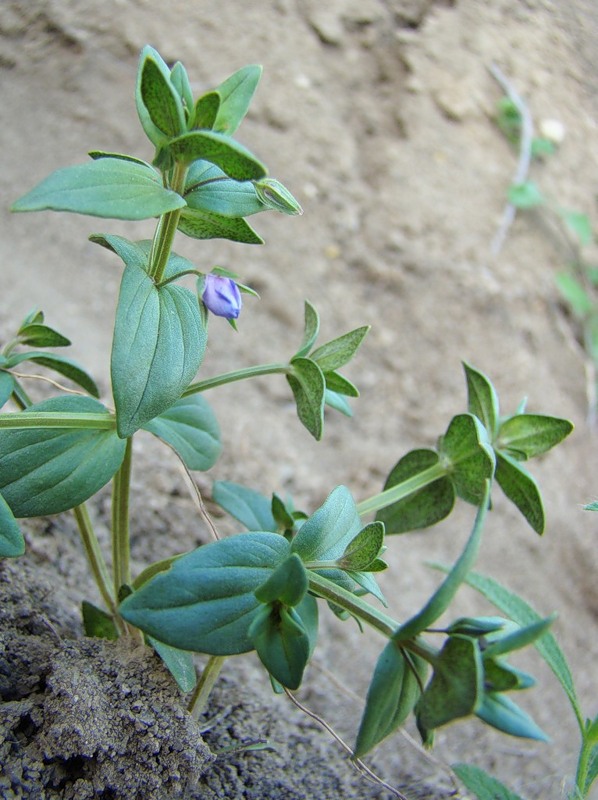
(221, 296)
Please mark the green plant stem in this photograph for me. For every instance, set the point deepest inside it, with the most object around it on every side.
(58, 419)
(236, 375)
(204, 685)
(581, 775)
(166, 229)
(383, 623)
(404, 489)
(121, 569)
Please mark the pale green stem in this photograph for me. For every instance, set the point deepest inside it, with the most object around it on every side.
(166, 229)
(58, 419)
(121, 569)
(403, 489)
(204, 685)
(236, 375)
(583, 761)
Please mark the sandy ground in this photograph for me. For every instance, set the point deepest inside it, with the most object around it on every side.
(378, 116)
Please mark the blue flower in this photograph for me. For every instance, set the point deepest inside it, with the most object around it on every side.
(221, 296)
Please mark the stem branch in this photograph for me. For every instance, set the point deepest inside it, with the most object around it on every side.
(204, 685)
(236, 375)
(403, 489)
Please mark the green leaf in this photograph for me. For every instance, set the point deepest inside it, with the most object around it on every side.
(217, 148)
(277, 197)
(208, 188)
(519, 638)
(579, 224)
(97, 623)
(482, 399)
(159, 343)
(206, 601)
(310, 330)
(335, 354)
(308, 386)
(392, 694)
(178, 662)
(574, 294)
(180, 82)
(502, 713)
(483, 785)
(49, 470)
(203, 225)
(527, 435)
(134, 253)
(37, 335)
(525, 195)
(61, 364)
(206, 110)
(521, 489)
(340, 385)
(12, 543)
(162, 102)
(249, 507)
(591, 506)
(499, 676)
(329, 530)
(523, 614)
(287, 584)
(364, 548)
(337, 402)
(235, 95)
(421, 508)
(7, 384)
(150, 56)
(109, 187)
(282, 643)
(191, 429)
(592, 772)
(465, 445)
(456, 686)
(442, 597)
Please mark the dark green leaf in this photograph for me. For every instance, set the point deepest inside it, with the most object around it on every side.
(217, 148)
(206, 110)
(159, 343)
(482, 399)
(527, 435)
(335, 354)
(329, 530)
(109, 187)
(282, 643)
(521, 489)
(499, 676)
(204, 225)
(340, 385)
(61, 364)
(153, 132)
(422, 508)
(249, 507)
(191, 429)
(162, 103)
(287, 584)
(308, 386)
(465, 445)
(12, 543)
(456, 686)
(483, 785)
(206, 601)
(97, 623)
(502, 713)
(525, 195)
(310, 330)
(208, 188)
(282, 515)
(392, 694)
(235, 96)
(49, 470)
(364, 548)
(37, 335)
(6, 386)
(178, 662)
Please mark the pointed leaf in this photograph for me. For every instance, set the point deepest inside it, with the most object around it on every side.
(502, 713)
(62, 365)
(465, 445)
(521, 489)
(249, 507)
(364, 548)
(392, 694)
(483, 785)
(282, 643)
(421, 508)
(159, 343)
(335, 354)
(97, 623)
(340, 385)
(518, 638)
(12, 543)
(37, 335)
(235, 95)
(482, 399)
(338, 402)
(178, 662)
(208, 188)
(204, 225)
(329, 530)
(180, 82)
(287, 584)
(49, 470)
(133, 253)
(310, 330)
(217, 148)
(206, 111)
(527, 435)
(150, 56)
(109, 187)
(206, 601)
(308, 386)
(191, 429)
